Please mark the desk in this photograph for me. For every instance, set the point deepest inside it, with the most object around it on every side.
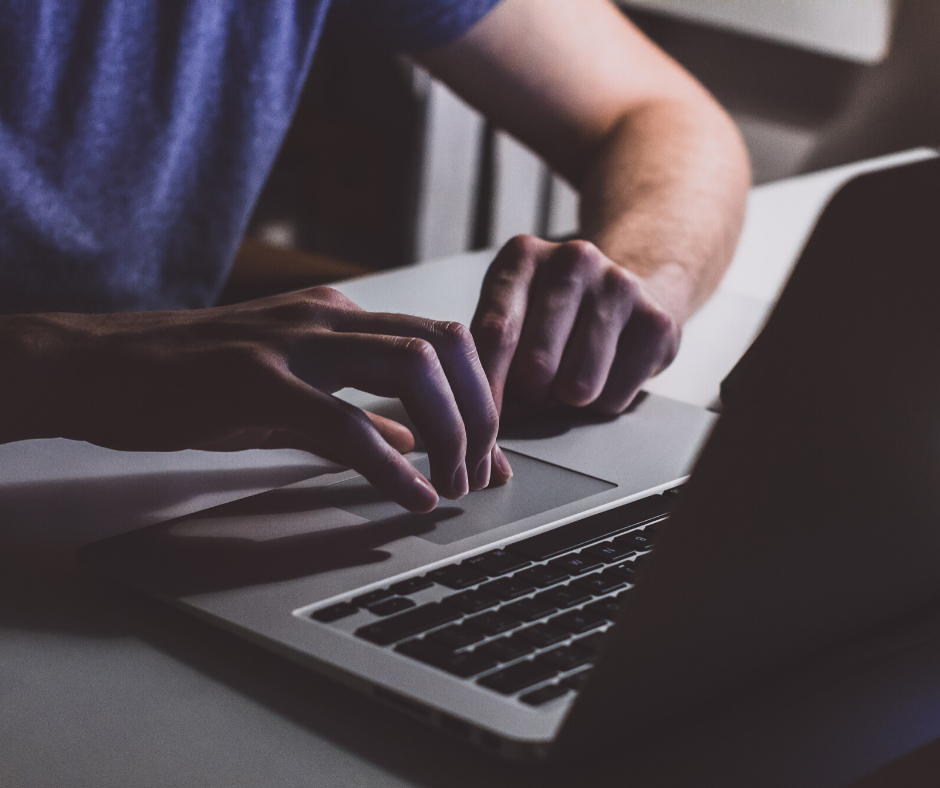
(857, 30)
(100, 687)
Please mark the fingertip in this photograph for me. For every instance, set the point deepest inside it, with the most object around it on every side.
(461, 481)
(481, 477)
(501, 470)
(423, 496)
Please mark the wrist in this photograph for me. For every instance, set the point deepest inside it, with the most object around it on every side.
(674, 289)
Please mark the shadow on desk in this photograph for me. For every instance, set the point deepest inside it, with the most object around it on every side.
(42, 524)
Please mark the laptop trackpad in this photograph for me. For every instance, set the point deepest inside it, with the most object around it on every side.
(535, 487)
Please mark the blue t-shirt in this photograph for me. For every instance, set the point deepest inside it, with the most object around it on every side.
(136, 136)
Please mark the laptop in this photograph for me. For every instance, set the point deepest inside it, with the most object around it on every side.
(604, 592)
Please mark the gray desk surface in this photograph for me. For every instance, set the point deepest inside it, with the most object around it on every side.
(857, 30)
(100, 687)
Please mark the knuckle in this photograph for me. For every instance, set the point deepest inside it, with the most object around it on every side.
(537, 367)
(522, 245)
(587, 255)
(455, 335)
(585, 250)
(496, 331)
(575, 261)
(327, 295)
(617, 282)
(418, 352)
(661, 325)
(322, 302)
(578, 391)
(298, 309)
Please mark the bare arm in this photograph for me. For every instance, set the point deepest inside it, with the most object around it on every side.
(663, 177)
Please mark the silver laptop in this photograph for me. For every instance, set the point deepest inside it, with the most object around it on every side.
(574, 605)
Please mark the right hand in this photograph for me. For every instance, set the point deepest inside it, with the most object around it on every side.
(263, 373)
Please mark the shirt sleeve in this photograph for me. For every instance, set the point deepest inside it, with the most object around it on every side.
(405, 25)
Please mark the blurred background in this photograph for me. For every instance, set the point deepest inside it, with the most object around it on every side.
(384, 166)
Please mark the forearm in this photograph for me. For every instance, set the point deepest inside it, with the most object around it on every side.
(664, 196)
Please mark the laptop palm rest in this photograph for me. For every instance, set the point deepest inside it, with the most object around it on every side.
(303, 530)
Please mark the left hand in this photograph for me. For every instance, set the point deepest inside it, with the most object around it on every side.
(561, 322)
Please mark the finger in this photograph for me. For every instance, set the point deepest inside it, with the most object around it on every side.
(407, 368)
(348, 436)
(458, 357)
(500, 314)
(592, 346)
(502, 473)
(398, 436)
(553, 306)
(647, 345)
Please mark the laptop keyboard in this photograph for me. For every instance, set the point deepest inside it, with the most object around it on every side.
(525, 620)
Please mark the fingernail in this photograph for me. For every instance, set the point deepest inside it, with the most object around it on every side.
(426, 498)
(481, 477)
(501, 462)
(461, 485)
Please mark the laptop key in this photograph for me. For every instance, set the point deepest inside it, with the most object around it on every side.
(589, 529)
(576, 680)
(578, 622)
(609, 552)
(511, 680)
(506, 649)
(392, 605)
(364, 600)
(638, 540)
(410, 586)
(568, 657)
(625, 573)
(543, 635)
(496, 562)
(508, 587)
(575, 564)
(530, 609)
(466, 664)
(542, 576)
(609, 608)
(335, 612)
(407, 624)
(563, 596)
(544, 694)
(457, 577)
(494, 623)
(463, 664)
(471, 601)
(598, 583)
(590, 642)
(455, 637)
